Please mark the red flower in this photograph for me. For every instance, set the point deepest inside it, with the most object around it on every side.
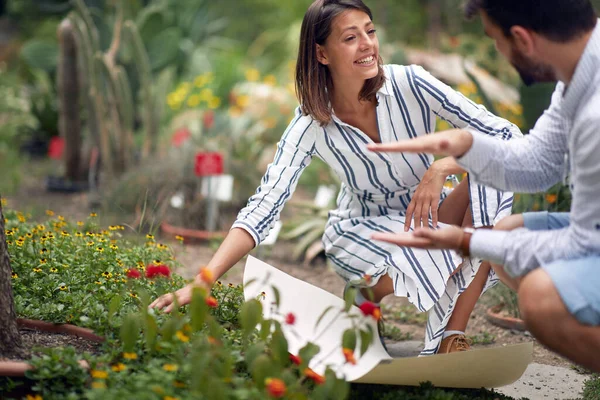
(295, 359)
(212, 302)
(316, 378)
(153, 271)
(208, 119)
(349, 356)
(371, 309)
(275, 387)
(290, 319)
(180, 136)
(133, 274)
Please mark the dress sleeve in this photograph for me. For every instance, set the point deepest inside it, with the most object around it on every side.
(294, 153)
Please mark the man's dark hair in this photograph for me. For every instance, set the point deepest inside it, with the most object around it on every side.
(558, 20)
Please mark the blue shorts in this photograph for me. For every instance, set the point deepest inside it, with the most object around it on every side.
(577, 281)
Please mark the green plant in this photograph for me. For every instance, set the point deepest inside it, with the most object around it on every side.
(394, 333)
(591, 390)
(407, 315)
(503, 295)
(483, 338)
(307, 226)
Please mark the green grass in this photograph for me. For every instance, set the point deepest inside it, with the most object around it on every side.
(394, 333)
(483, 338)
(591, 390)
(406, 315)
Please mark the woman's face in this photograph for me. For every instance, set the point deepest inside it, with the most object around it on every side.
(352, 49)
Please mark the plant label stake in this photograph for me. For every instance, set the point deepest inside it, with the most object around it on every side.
(209, 165)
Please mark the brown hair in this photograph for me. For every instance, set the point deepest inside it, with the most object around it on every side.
(313, 78)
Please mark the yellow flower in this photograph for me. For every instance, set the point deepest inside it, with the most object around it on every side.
(37, 270)
(3, 202)
(49, 213)
(20, 242)
(61, 218)
(43, 261)
(99, 374)
(34, 397)
(170, 367)
(51, 235)
(107, 274)
(119, 367)
(29, 235)
(214, 103)
(100, 249)
(63, 287)
(53, 270)
(182, 336)
(150, 237)
(113, 247)
(98, 283)
(79, 223)
(200, 81)
(193, 101)
(230, 285)
(93, 215)
(90, 244)
(9, 232)
(65, 234)
(135, 296)
(130, 356)
(44, 251)
(170, 398)
(180, 238)
(98, 385)
(14, 275)
(242, 101)
(270, 80)
(252, 75)
(78, 234)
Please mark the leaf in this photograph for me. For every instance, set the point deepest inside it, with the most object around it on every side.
(277, 295)
(40, 54)
(150, 331)
(303, 228)
(250, 316)
(129, 332)
(322, 316)
(349, 339)
(261, 369)
(113, 306)
(308, 352)
(198, 310)
(366, 337)
(306, 241)
(253, 352)
(349, 297)
(279, 347)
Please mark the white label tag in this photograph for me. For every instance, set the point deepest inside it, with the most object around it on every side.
(218, 187)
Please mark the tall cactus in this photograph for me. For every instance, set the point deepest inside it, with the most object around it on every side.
(68, 83)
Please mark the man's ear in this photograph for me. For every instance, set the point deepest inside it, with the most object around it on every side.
(523, 40)
(322, 55)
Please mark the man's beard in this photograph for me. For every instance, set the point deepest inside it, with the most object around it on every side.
(531, 71)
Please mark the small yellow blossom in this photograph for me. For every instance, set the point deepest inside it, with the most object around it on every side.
(79, 223)
(93, 215)
(99, 374)
(65, 234)
(182, 336)
(180, 238)
(100, 249)
(90, 244)
(49, 213)
(34, 397)
(37, 270)
(252, 75)
(135, 296)
(54, 270)
(41, 228)
(113, 247)
(61, 218)
(170, 367)
(14, 275)
(214, 103)
(9, 232)
(119, 367)
(242, 101)
(150, 237)
(43, 261)
(270, 80)
(98, 385)
(193, 101)
(130, 356)
(78, 234)
(63, 287)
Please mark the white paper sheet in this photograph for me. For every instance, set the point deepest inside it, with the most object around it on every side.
(492, 367)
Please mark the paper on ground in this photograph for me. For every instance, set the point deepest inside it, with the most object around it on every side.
(492, 367)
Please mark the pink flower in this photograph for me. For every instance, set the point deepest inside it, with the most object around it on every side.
(180, 136)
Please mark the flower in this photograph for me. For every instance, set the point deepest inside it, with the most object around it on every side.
(14, 275)
(179, 137)
(182, 336)
(206, 275)
(349, 356)
(98, 385)
(37, 270)
(551, 198)
(133, 274)
(79, 223)
(270, 80)
(54, 270)
(99, 374)
(295, 359)
(170, 367)
(180, 238)
(290, 319)
(252, 75)
(63, 287)
(119, 367)
(170, 398)
(212, 302)
(371, 309)
(312, 375)
(33, 396)
(100, 249)
(135, 296)
(275, 387)
(49, 213)
(157, 270)
(93, 215)
(130, 356)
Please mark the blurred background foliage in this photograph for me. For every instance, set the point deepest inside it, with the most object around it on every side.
(159, 80)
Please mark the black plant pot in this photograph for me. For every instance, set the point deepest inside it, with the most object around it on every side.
(60, 184)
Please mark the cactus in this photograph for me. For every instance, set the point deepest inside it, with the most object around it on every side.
(68, 83)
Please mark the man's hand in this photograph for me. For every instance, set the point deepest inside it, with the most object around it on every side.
(455, 143)
(425, 238)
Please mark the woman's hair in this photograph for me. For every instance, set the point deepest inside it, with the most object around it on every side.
(313, 79)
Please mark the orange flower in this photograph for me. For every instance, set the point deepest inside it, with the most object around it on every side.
(371, 309)
(295, 359)
(212, 302)
(275, 387)
(551, 198)
(207, 275)
(349, 356)
(316, 378)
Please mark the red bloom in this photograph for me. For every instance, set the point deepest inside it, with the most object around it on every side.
(371, 309)
(133, 273)
(295, 359)
(316, 378)
(180, 136)
(275, 387)
(212, 302)
(153, 271)
(290, 319)
(349, 356)
(56, 147)
(208, 119)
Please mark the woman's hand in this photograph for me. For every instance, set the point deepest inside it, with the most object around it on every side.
(426, 199)
(166, 302)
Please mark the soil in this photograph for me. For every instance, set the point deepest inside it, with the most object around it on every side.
(33, 198)
(33, 341)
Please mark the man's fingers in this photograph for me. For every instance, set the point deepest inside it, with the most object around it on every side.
(408, 216)
(402, 239)
(434, 212)
(425, 216)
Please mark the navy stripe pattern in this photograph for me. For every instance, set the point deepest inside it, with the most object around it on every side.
(377, 188)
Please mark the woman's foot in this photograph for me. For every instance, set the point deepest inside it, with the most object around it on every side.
(454, 343)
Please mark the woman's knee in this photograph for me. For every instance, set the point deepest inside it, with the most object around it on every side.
(510, 223)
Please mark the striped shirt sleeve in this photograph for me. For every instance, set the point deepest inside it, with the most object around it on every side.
(294, 153)
(456, 109)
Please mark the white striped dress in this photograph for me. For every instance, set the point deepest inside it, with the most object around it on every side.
(377, 188)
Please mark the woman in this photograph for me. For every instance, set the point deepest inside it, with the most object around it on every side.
(348, 100)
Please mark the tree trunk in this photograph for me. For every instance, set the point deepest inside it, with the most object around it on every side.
(69, 90)
(10, 339)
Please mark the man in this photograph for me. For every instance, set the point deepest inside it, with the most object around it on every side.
(552, 260)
